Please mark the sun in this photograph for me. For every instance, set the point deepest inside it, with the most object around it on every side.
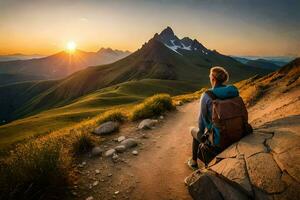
(71, 46)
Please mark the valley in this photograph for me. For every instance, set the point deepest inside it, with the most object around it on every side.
(165, 64)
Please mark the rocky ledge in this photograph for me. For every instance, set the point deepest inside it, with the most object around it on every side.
(263, 165)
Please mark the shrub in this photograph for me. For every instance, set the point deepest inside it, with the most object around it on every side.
(152, 106)
(181, 99)
(112, 115)
(83, 143)
(33, 171)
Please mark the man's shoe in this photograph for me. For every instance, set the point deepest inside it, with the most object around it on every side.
(192, 164)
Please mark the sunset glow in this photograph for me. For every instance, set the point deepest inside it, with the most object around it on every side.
(71, 46)
(231, 27)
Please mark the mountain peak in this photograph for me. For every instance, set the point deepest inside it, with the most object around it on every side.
(170, 40)
(167, 32)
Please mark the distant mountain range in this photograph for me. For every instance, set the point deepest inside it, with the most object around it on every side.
(164, 59)
(60, 64)
(19, 56)
(277, 60)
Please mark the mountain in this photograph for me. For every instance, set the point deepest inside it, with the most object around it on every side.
(185, 62)
(61, 64)
(19, 56)
(13, 78)
(262, 63)
(277, 60)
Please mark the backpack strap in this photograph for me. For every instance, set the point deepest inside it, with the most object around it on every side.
(211, 94)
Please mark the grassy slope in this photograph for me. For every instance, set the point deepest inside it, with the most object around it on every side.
(121, 95)
(51, 105)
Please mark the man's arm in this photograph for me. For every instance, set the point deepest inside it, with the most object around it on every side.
(204, 113)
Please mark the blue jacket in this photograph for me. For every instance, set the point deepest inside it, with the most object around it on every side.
(205, 114)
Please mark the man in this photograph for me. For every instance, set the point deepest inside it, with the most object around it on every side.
(222, 131)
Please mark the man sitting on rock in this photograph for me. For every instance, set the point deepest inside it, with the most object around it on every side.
(223, 119)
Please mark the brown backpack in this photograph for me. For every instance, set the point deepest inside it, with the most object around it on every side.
(230, 116)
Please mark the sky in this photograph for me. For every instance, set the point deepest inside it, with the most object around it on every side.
(232, 27)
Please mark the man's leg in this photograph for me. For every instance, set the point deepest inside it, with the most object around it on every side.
(192, 162)
(196, 144)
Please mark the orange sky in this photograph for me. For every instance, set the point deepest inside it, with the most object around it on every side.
(44, 27)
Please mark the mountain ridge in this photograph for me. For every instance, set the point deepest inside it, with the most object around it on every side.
(154, 60)
(61, 64)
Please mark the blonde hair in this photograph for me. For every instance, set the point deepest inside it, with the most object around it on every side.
(220, 74)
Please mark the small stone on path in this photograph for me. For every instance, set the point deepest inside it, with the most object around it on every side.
(135, 152)
(97, 151)
(110, 152)
(95, 183)
(90, 198)
(121, 138)
(120, 148)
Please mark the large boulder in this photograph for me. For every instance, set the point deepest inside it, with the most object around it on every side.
(290, 161)
(235, 170)
(264, 173)
(252, 144)
(204, 184)
(283, 141)
(106, 128)
(147, 124)
(263, 165)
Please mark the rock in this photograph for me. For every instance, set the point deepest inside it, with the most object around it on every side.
(230, 152)
(120, 148)
(110, 152)
(121, 138)
(290, 161)
(117, 192)
(235, 170)
(90, 198)
(74, 193)
(161, 117)
(129, 143)
(115, 157)
(135, 152)
(106, 128)
(147, 124)
(207, 185)
(95, 183)
(97, 171)
(283, 140)
(251, 144)
(109, 175)
(97, 151)
(264, 173)
(144, 136)
(292, 191)
(260, 195)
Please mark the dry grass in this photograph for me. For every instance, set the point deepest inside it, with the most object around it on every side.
(35, 170)
(185, 98)
(152, 106)
(41, 167)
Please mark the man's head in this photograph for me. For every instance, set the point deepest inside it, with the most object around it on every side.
(218, 76)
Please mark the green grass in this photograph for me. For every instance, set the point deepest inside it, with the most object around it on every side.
(153, 106)
(119, 96)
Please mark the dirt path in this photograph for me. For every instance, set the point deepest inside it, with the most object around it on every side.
(162, 169)
(156, 173)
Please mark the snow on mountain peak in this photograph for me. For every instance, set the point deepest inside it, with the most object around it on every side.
(170, 40)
